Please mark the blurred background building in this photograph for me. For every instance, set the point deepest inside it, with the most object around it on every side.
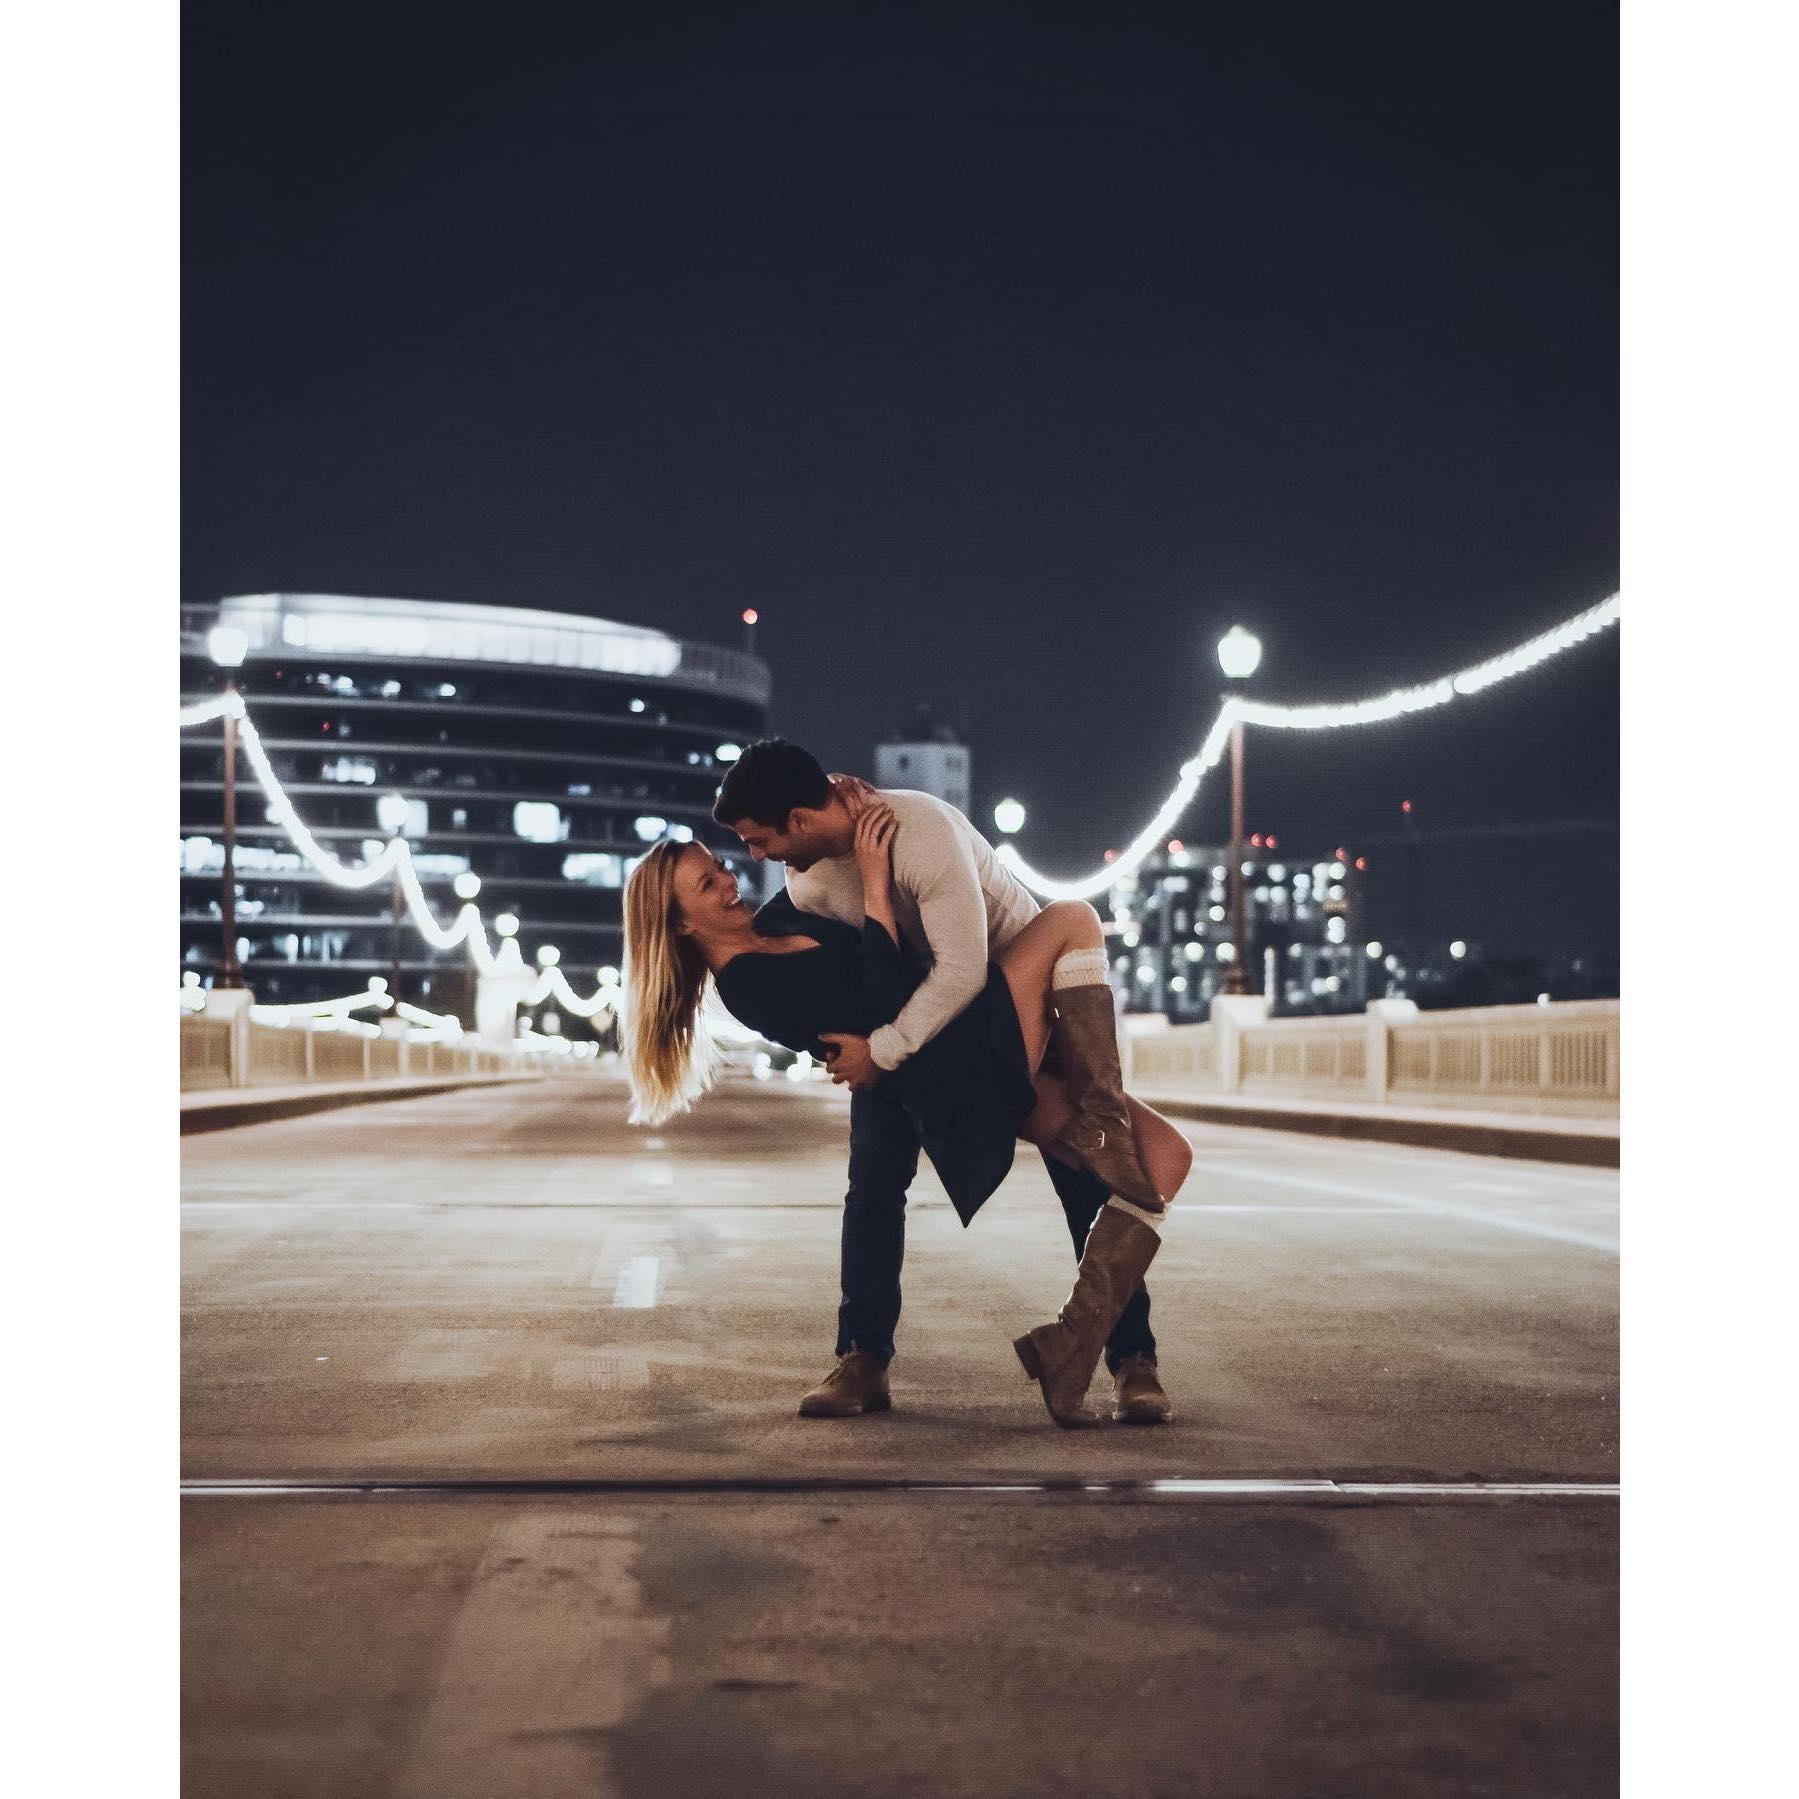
(1169, 932)
(540, 751)
(928, 756)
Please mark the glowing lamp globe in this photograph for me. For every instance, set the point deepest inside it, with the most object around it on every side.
(466, 885)
(548, 956)
(1009, 816)
(507, 924)
(1239, 653)
(228, 645)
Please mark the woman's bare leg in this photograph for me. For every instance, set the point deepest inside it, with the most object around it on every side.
(1029, 961)
(1164, 1151)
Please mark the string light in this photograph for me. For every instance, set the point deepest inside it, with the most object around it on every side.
(394, 858)
(1235, 709)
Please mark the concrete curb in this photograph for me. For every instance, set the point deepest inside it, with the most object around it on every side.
(1487, 1138)
(249, 1107)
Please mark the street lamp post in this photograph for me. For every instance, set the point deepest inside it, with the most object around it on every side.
(1008, 815)
(228, 645)
(390, 811)
(1239, 655)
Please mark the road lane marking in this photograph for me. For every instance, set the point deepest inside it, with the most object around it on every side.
(1553, 1233)
(637, 1281)
(1220, 1488)
(582, 1652)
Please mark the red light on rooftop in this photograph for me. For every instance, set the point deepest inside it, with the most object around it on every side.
(1255, 843)
(750, 615)
(1111, 855)
(1405, 805)
(1361, 861)
(1274, 843)
(1175, 846)
(1342, 854)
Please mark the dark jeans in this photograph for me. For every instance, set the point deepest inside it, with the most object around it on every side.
(883, 1160)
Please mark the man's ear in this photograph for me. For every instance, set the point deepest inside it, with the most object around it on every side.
(801, 820)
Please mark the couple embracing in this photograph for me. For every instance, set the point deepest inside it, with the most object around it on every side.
(962, 1017)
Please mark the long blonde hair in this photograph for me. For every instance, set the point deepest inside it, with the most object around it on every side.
(668, 1049)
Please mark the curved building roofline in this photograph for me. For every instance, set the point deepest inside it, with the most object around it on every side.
(279, 624)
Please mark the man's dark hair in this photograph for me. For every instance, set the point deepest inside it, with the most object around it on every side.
(767, 781)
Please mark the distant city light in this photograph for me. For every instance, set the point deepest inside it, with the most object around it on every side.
(1375, 952)
(390, 813)
(466, 886)
(728, 752)
(1361, 862)
(507, 924)
(1405, 805)
(649, 827)
(1009, 816)
(548, 957)
(1458, 949)
(751, 615)
(637, 705)
(1175, 846)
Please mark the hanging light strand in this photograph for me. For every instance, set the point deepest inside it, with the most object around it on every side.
(1236, 709)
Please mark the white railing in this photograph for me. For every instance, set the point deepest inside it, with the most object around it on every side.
(236, 1051)
(1558, 1058)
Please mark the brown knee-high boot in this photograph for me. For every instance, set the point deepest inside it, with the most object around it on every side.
(1062, 1356)
(1099, 1135)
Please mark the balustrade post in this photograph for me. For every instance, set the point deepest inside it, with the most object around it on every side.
(1380, 1018)
(233, 1004)
(1232, 1015)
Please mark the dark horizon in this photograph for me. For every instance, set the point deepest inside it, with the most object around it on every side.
(1001, 356)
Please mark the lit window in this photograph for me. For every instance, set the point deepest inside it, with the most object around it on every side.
(357, 771)
(1335, 929)
(594, 870)
(539, 821)
(649, 828)
(637, 705)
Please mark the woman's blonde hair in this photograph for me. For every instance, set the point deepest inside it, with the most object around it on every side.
(668, 1049)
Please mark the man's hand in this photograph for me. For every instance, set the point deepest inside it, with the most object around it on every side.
(856, 794)
(849, 1061)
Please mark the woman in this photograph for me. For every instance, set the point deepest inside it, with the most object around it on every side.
(973, 1090)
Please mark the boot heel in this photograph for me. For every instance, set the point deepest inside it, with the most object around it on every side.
(1026, 1352)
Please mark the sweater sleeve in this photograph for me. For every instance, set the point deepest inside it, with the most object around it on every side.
(933, 863)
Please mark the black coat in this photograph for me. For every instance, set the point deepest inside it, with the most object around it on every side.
(967, 1090)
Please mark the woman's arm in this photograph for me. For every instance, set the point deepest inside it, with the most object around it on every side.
(874, 861)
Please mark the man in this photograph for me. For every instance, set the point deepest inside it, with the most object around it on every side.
(956, 903)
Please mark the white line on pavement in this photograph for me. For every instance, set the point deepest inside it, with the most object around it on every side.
(636, 1289)
(1554, 1233)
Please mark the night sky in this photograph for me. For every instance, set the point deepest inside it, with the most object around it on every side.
(1003, 356)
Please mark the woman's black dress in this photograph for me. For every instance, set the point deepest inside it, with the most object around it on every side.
(967, 1090)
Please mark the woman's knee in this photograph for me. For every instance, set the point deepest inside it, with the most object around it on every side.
(1078, 920)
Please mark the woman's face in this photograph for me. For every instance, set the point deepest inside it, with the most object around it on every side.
(706, 894)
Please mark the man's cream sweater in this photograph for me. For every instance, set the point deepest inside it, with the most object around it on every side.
(955, 902)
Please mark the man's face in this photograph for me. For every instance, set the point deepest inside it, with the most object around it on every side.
(797, 843)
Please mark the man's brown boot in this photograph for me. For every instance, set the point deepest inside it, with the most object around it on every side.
(1099, 1135)
(1061, 1357)
(1137, 1396)
(857, 1384)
